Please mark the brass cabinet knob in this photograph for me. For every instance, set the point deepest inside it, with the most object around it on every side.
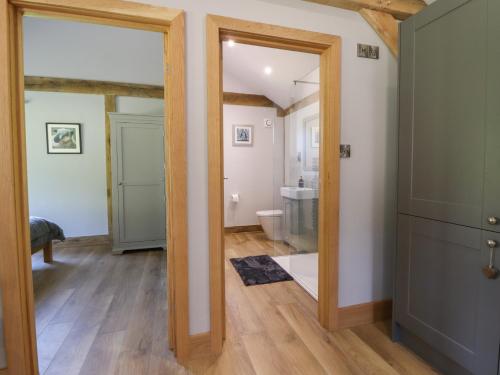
(492, 220)
(491, 243)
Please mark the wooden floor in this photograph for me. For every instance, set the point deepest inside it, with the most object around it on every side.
(104, 314)
(272, 329)
(98, 313)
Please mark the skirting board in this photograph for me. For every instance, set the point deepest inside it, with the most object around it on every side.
(364, 313)
(243, 228)
(84, 241)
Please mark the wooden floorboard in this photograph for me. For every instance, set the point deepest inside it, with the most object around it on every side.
(273, 329)
(99, 313)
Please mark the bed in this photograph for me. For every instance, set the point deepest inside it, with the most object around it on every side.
(43, 232)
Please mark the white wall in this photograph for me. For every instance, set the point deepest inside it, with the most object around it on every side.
(367, 203)
(66, 49)
(139, 106)
(71, 189)
(368, 103)
(255, 173)
(68, 189)
(368, 100)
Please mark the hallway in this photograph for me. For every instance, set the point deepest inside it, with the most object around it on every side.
(272, 329)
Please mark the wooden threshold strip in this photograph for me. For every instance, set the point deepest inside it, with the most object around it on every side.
(243, 228)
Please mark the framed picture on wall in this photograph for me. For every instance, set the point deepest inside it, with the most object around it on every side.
(63, 138)
(242, 135)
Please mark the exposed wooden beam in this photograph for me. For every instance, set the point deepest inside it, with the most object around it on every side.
(109, 106)
(308, 100)
(401, 9)
(236, 98)
(81, 86)
(385, 25)
(113, 89)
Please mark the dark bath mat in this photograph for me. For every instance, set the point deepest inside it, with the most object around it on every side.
(260, 269)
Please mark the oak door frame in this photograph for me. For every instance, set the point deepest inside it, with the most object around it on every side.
(15, 254)
(328, 48)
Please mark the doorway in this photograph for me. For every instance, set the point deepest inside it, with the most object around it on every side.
(15, 271)
(220, 29)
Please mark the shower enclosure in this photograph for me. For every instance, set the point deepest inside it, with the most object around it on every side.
(298, 197)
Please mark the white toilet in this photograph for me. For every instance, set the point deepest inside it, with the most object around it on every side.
(271, 223)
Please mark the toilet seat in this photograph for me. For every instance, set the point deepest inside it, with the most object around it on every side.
(268, 213)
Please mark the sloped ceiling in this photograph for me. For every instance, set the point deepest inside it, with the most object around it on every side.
(245, 64)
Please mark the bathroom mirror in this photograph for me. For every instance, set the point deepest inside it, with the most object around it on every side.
(311, 143)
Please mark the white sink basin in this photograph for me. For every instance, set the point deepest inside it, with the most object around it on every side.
(293, 192)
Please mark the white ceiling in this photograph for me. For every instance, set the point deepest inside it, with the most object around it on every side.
(244, 71)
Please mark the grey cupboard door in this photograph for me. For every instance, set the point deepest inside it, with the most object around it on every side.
(443, 297)
(139, 217)
(442, 112)
(491, 206)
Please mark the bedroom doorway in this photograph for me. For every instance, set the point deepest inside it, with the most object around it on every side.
(70, 138)
(91, 309)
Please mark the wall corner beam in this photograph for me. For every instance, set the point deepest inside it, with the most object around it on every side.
(400, 9)
(385, 25)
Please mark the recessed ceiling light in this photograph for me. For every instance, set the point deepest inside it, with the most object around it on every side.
(231, 43)
(268, 70)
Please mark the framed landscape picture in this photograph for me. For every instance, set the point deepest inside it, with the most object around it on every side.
(242, 135)
(63, 138)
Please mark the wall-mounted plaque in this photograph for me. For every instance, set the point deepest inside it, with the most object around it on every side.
(367, 51)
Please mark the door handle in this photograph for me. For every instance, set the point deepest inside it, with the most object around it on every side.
(491, 243)
(120, 184)
(492, 220)
(490, 271)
